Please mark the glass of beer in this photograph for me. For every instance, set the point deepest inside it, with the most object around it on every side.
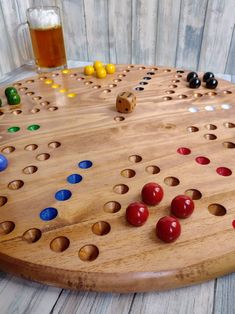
(46, 33)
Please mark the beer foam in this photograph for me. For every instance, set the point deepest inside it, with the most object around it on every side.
(41, 18)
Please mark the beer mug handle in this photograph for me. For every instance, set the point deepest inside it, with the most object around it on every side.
(22, 53)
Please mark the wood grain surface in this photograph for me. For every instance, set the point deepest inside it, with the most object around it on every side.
(87, 127)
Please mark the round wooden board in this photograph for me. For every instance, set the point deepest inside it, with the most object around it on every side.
(67, 124)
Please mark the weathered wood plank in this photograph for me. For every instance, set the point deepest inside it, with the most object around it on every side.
(167, 31)
(119, 18)
(192, 18)
(196, 299)
(23, 296)
(224, 295)
(93, 303)
(96, 13)
(217, 35)
(230, 65)
(144, 19)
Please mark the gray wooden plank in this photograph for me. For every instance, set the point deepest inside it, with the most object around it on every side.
(224, 301)
(96, 15)
(23, 296)
(191, 25)
(194, 300)
(144, 18)
(120, 18)
(233, 78)
(167, 31)
(74, 27)
(217, 35)
(230, 64)
(93, 303)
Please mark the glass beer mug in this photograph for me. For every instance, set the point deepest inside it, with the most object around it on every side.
(47, 37)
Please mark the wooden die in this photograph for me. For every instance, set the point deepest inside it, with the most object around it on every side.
(125, 102)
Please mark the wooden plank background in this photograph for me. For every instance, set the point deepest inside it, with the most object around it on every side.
(193, 34)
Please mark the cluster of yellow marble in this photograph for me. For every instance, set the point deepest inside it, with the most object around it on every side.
(99, 69)
(58, 86)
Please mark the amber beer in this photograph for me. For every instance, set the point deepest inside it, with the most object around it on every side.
(48, 47)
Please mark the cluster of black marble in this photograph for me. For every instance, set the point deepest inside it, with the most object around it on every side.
(208, 78)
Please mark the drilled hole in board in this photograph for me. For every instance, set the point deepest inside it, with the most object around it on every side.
(3, 200)
(121, 75)
(16, 112)
(167, 70)
(197, 95)
(16, 184)
(167, 98)
(6, 227)
(229, 125)
(37, 98)
(211, 94)
(35, 110)
(80, 78)
(96, 86)
(8, 149)
(229, 144)
(175, 81)
(128, 173)
(150, 73)
(119, 118)
(152, 169)
(106, 91)
(44, 103)
(141, 68)
(217, 209)
(1, 113)
(135, 158)
(54, 145)
(101, 228)
(117, 80)
(169, 91)
(179, 71)
(210, 127)
(121, 188)
(17, 84)
(88, 253)
(29, 81)
(53, 108)
(55, 74)
(147, 78)
(143, 83)
(227, 92)
(31, 147)
(59, 244)
(29, 93)
(112, 207)
(126, 71)
(210, 137)
(30, 169)
(173, 86)
(32, 235)
(178, 75)
(182, 96)
(88, 82)
(194, 194)
(43, 156)
(139, 88)
(112, 85)
(171, 181)
(192, 129)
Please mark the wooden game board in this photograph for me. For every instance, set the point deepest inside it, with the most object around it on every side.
(89, 245)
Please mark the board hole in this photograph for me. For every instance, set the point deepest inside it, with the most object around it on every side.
(227, 92)
(169, 91)
(13, 129)
(121, 188)
(210, 137)
(119, 118)
(29, 93)
(223, 171)
(96, 86)
(112, 85)
(192, 129)
(63, 195)
(36, 98)
(171, 181)
(74, 178)
(48, 213)
(197, 95)
(152, 169)
(88, 253)
(85, 164)
(44, 103)
(54, 144)
(193, 109)
(139, 88)
(229, 125)
(128, 173)
(167, 70)
(3, 200)
(229, 144)
(16, 184)
(16, 112)
(88, 82)
(31, 147)
(35, 110)
(8, 149)
(30, 169)
(32, 235)
(178, 75)
(126, 71)
(166, 98)
(217, 209)
(194, 194)
(173, 86)
(175, 81)
(101, 228)
(141, 68)
(202, 160)
(6, 227)
(135, 158)
(52, 108)
(43, 156)
(143, 83)
(1, 113)
(179, 71)
(33, 127)
(59, 244)
(80, 78)
(182, 96)
(147, 78)
(29, 81)
(17, 84)
(210, 127)
(112, 207)
(117, 80)
(150, 73)
(106, 91)
(121, 75)
(183, 151)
